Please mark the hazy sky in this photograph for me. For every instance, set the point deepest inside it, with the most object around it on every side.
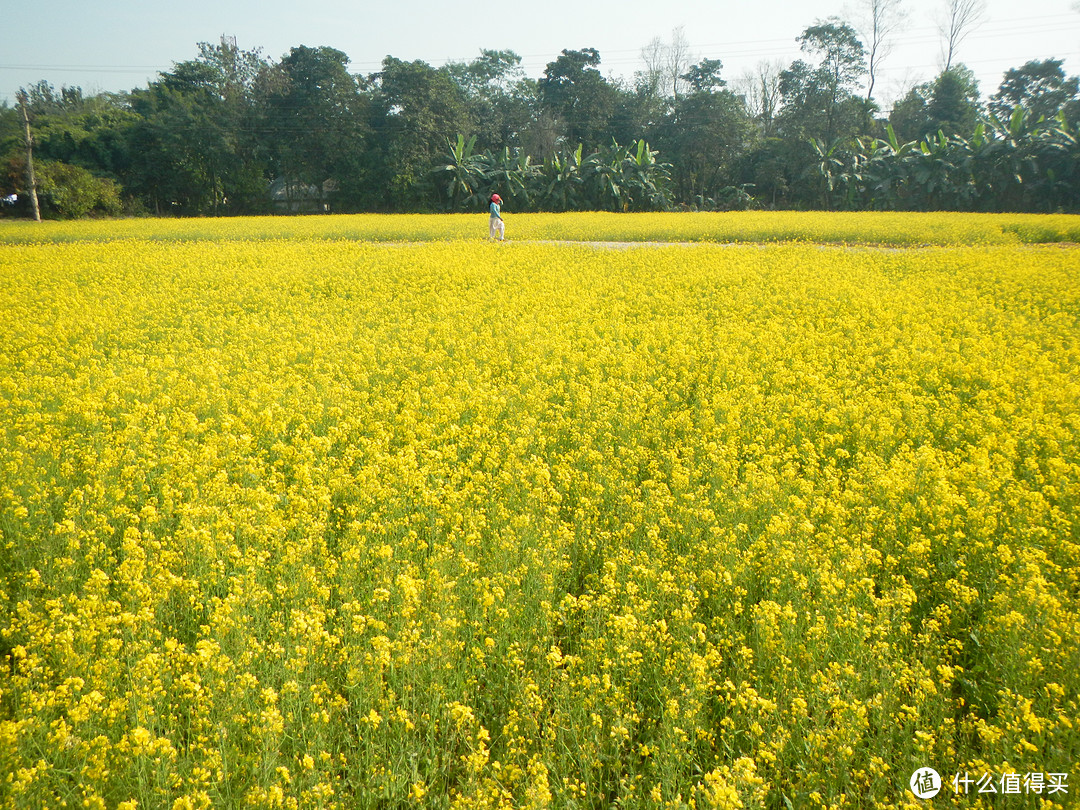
(107, 45)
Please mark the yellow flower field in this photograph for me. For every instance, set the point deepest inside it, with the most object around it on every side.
(312, 522)
(898, 229)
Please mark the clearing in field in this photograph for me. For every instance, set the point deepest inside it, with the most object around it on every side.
(291, 518)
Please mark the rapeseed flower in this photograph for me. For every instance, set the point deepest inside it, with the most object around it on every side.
(304, 522)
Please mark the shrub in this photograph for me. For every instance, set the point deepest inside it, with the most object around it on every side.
(71, 192)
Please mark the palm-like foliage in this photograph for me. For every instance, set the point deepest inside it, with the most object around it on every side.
(562, 181)
(512, 174)
(648, 179)
(465, 174)
(878, 175)
(1019, 164)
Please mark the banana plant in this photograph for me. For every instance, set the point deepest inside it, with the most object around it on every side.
(464, 172)
(829, 165)
(1059, 159)
(562, 180)
(882, 163)
(604, 170)
(648, 179)
(943, 173)
(512, 174)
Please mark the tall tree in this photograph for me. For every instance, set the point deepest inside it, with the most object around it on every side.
(1041, 88)
(584, 101)
(645, 105)
(948, 104)
(880, 21)
(678, 62)
(417, 108)
(957, 19)
(650, 79)
(819, 99)
(317, 117)
(760, 89)
(822, 105)
(500, 99)
(704, 139)
(195, 147)
(666, 64)
(954, 106)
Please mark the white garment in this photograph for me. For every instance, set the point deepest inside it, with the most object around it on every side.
(496, 228)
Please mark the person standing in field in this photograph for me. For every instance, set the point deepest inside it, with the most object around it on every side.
(496, 226)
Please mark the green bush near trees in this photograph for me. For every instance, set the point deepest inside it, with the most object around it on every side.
(71, 192)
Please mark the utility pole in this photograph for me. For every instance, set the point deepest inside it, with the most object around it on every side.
(21, 96)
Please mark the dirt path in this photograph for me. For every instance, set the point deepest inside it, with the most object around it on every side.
(819, 245)
(615, 245)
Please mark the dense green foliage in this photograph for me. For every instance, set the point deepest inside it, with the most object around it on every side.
(234, 132)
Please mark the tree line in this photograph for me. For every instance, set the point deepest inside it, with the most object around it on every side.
(234, 132)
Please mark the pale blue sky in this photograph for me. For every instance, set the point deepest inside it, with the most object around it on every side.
(122, 44)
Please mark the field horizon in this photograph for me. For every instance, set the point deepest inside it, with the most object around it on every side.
(898, 229)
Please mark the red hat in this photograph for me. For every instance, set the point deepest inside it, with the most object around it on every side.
(496, 198)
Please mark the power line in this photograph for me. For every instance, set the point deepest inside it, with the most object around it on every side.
(111, 68)
(735, 50)
(774, 46)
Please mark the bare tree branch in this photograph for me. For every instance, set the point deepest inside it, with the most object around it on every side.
(958, 19)
(665, 64)
(760, 89)
(878, 21)
(678, 61)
